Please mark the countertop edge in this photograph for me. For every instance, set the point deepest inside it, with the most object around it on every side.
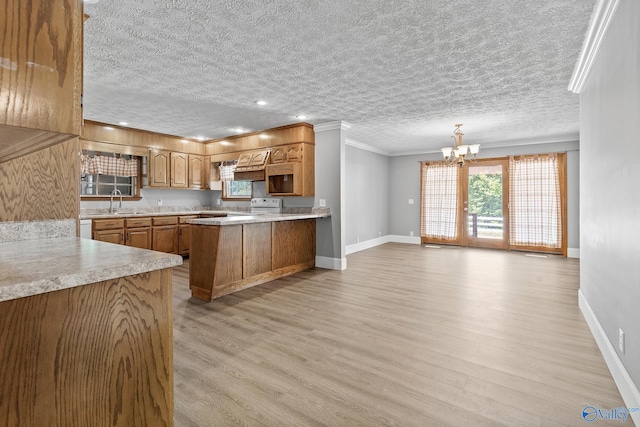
(254, 219)
(67, 280)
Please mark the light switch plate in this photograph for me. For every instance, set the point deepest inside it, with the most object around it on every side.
(322, 203)
(410, 201)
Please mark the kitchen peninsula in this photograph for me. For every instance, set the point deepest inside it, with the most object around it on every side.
(236, 252)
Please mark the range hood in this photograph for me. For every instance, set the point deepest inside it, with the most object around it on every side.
(251, 166)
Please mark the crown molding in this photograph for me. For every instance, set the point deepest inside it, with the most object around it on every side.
(569, 140)
(366, 147)
(600, 21)
(339, 124)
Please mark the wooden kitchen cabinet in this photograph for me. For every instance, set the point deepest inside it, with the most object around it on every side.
(159, 168)
(179, 170)
(138, 232)
(110, 236)
(165, 234)
(287, 153)
(40, 76)
(292, 171)
(184, 234)
(138, 237)
(196, 171)
(108, 230)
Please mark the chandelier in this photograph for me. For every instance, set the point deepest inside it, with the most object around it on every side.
(460, 153)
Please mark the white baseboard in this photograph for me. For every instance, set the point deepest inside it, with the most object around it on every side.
(627, 388)
(413, 240)
(368, 244)
(331, 263)
(573, 253)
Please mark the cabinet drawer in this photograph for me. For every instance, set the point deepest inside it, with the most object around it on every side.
(184, 219)
(165, 220)
(108, 224)
(137, 222)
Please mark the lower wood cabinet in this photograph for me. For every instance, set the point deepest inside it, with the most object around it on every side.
(184, 234)
(138, 237)
(110, 236)
(108, 230)
(165, 234)
(169, 234)
(138, 232)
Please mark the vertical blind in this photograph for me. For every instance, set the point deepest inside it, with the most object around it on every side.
(535, 206)
(439, 200)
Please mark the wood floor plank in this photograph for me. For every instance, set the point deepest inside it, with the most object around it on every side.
(406, 336)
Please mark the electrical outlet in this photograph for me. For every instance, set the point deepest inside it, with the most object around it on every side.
(159, 202)
(218, 202)
(411, 233)
(322, 203)
(358, 239)
(410, 201)
(621, 340)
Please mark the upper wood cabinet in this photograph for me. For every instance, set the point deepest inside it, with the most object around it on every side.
(40, 76)
(196, 171)
(179, 170)
(287, 153)
(292, 170)
(159, 168)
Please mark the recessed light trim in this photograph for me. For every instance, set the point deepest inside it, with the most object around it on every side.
(302, 117)
(261, 102)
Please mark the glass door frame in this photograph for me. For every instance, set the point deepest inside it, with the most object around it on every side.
(463, 219)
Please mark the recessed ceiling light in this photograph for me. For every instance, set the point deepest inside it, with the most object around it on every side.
(261, 102)
(302, 117)
(108, 128)
(123, 123)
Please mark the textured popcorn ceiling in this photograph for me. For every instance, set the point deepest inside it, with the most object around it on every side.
(401, 72)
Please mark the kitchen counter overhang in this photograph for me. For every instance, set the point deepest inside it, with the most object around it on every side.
(33, 267)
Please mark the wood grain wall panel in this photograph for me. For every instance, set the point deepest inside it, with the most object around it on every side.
(41, 185)
(256, 243)
(41, 76)
(294, 242)
(94, 355)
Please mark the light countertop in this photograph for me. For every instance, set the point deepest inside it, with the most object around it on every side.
(252, 219)
(124, 214)
(33, 267)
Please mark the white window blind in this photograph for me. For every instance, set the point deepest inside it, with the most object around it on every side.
(439, 200)
(534, 194)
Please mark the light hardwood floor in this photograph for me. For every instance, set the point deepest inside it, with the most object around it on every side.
(406, 336)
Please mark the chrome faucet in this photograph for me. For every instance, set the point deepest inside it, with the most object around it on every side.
(112, 208)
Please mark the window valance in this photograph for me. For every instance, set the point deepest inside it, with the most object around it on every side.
(108, 165)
